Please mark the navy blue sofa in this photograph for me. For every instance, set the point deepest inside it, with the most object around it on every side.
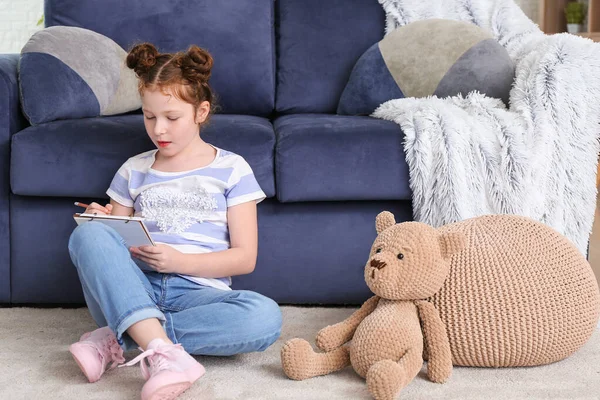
(280, 68)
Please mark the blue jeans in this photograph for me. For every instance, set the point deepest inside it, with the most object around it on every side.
(204, 320)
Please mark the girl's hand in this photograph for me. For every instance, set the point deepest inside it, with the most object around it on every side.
(161, 257)
(96, 208)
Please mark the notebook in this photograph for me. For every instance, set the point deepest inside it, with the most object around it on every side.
(131, 229)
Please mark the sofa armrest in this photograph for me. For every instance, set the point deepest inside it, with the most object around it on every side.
(11, 117)
(11, 121)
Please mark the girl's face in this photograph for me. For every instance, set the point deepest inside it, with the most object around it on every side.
(171, 122)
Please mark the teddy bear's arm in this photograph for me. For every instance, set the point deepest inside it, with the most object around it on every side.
(333, 336)
(439, 366)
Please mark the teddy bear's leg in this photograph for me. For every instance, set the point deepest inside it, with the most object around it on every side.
(300, 362)
(386, 378)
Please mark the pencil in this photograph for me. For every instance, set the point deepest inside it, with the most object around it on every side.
(81, 204)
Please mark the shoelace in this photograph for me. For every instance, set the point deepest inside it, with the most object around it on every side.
(158, 359)
(112, 347)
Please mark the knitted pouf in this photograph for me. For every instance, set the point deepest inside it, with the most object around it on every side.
(519, 294)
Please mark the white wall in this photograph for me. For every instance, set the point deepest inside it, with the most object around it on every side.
(530, 7)
(18, 20)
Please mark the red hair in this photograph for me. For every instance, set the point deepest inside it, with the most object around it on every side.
(184, 74)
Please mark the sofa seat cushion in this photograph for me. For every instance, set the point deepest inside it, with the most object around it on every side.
(80, 157)
(321, 157)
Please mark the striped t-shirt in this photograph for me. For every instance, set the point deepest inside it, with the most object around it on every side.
(187, 210)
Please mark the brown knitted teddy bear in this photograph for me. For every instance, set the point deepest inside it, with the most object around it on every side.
(511, 292)
(408, 263)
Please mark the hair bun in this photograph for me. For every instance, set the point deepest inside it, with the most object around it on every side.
(142, 57)
(196, 64)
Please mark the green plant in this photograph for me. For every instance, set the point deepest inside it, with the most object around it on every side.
(575, 12)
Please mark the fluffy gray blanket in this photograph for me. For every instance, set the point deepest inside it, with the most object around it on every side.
(473, 156)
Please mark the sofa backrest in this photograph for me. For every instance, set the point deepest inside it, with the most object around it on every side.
(238, 33)
(318, 43)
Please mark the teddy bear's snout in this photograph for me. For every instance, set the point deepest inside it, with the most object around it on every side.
(377, 264)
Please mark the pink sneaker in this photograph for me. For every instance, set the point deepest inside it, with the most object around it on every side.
(95, 350)
(171, 370)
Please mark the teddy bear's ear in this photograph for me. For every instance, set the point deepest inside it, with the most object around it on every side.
(451, 243)
(384, 220)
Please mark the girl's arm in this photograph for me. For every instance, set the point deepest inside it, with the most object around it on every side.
(240, 259)
(119, 209)
(113, 208)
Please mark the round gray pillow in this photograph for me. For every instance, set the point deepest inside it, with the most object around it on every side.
(431, 57)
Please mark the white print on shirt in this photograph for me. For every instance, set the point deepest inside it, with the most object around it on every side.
(173, 210)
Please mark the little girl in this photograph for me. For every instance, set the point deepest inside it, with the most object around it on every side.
(199, 203)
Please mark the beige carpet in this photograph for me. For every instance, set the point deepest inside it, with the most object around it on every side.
(35, 364)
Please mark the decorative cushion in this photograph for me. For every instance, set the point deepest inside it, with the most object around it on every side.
(68, 72)
(430, 57)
